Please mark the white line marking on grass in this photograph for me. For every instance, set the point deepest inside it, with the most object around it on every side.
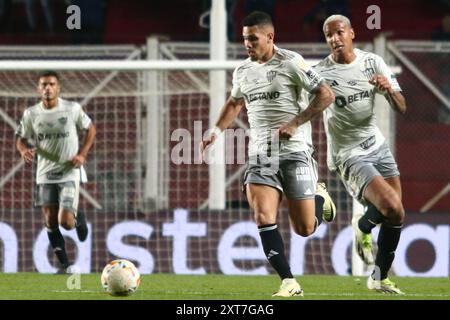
(379, 294)
(345, 294)
(213, 293)
(57, 291)
(76, 291)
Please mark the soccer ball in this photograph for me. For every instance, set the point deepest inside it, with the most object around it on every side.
(120, 278)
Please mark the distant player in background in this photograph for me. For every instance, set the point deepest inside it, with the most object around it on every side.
(356, 148)
(273, 84)
(50, 129)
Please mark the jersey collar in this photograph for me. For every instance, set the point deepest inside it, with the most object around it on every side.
(357, 56)
(41, 104)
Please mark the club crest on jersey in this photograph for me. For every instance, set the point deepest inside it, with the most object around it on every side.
(63, 120)
(271, 75)
(369, 68)
(352, 83)
(369, 73)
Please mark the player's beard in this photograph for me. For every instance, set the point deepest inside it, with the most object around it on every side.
(49, 98)
(50, 95)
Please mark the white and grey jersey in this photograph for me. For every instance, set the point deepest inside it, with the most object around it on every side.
(54, 133)
(350, 122)
(275, 92)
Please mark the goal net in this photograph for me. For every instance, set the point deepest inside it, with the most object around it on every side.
(147, 195)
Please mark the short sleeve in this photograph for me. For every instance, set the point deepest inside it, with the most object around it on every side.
(236, 89)
(303, 74)
(82, 120)
(25, 127)
(383, 69)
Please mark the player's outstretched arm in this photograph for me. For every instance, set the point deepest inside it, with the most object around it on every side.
(26, 153)
(229, 112)
(395, 98)
(324, 96)
(80, 158)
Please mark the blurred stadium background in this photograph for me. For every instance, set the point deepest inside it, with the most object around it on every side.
(163, 216)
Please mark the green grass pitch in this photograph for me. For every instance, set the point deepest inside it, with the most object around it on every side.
(30, 286)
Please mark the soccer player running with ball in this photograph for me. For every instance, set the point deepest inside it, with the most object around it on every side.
(273, 84)
(356, 148)
(50, 129)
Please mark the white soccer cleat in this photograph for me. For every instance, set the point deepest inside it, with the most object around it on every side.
(384, 286)
(329, 208)
(289, 288)
(363, 242)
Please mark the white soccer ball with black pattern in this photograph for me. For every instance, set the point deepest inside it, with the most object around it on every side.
(120, 278)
